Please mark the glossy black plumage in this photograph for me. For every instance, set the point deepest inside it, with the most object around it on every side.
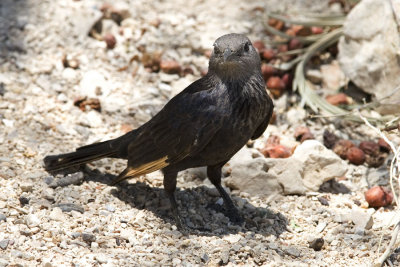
(204, 125)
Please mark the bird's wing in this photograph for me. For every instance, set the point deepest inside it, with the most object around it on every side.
(182, 128)
(261, 128)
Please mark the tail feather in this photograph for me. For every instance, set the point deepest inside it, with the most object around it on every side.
(82, 155)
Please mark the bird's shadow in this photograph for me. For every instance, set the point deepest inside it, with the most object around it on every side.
(202, 212)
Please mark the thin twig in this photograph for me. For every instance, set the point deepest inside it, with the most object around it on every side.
(379, 262)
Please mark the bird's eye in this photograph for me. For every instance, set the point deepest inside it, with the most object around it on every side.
(217, 50)
(246, 47)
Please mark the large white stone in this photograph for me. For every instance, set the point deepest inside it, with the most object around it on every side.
(369, 50)
(305, 171)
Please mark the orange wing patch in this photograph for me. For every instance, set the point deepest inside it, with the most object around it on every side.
(131, 172)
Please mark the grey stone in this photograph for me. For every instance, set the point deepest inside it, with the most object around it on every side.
(368, 51)
(3, 217)
(361, 219)
(74, 178)
(205, 258)
(293, 251)
(88, 237)
(253, 177)
(67, 207)
(378, 176)
(110, 208)
(4, 244)
(224, 258)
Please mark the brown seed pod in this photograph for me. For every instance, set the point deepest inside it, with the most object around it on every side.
(110, 40)
(355, 155)
(275, 82)
(342, 146)
(383, 146)
(268, 54)
(378, 196)
(317, 30)
(277, 151)
(259, 45)
(170, 66)
(338, 99)
(295, 44)
(303, 133)
(369, 147)
(276, 86)
(267, 71)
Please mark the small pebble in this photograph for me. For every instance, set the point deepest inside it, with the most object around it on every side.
(26, 187)
(67, 207)
(3, 217)
(205, 258)
(323, 201)
(317, 244)
(110, 208)
(293, 251)
(32, 220)
(56, 214)
(23, 201)
(74, 178)
(4, 244)
(88, 237)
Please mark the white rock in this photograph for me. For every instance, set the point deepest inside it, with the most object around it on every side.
(4, 262)
(232, 238)
(69, 74)
(94, 84)
(81, 19)
(305, 171)
(8, 123)
(333, 77)
(252, 176)
(319, 164)
(320, 227)
(32, 220)
(56, 214)
(91, 119)
(369, 50)
(296, 116)
(26, 187)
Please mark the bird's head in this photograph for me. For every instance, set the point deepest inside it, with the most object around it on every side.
(234, 57)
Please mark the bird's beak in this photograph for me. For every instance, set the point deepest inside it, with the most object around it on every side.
(227, 54)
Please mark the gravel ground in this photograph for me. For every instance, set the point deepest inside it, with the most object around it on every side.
(82, 220)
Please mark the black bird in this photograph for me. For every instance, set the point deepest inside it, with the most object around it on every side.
(204, 125)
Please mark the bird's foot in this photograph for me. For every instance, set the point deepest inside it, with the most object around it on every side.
(234, 216)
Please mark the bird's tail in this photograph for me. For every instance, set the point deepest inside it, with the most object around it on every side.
(115, 148)
(82, 155)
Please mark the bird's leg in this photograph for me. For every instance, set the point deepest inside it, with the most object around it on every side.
(169, 187)
(214, 174)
